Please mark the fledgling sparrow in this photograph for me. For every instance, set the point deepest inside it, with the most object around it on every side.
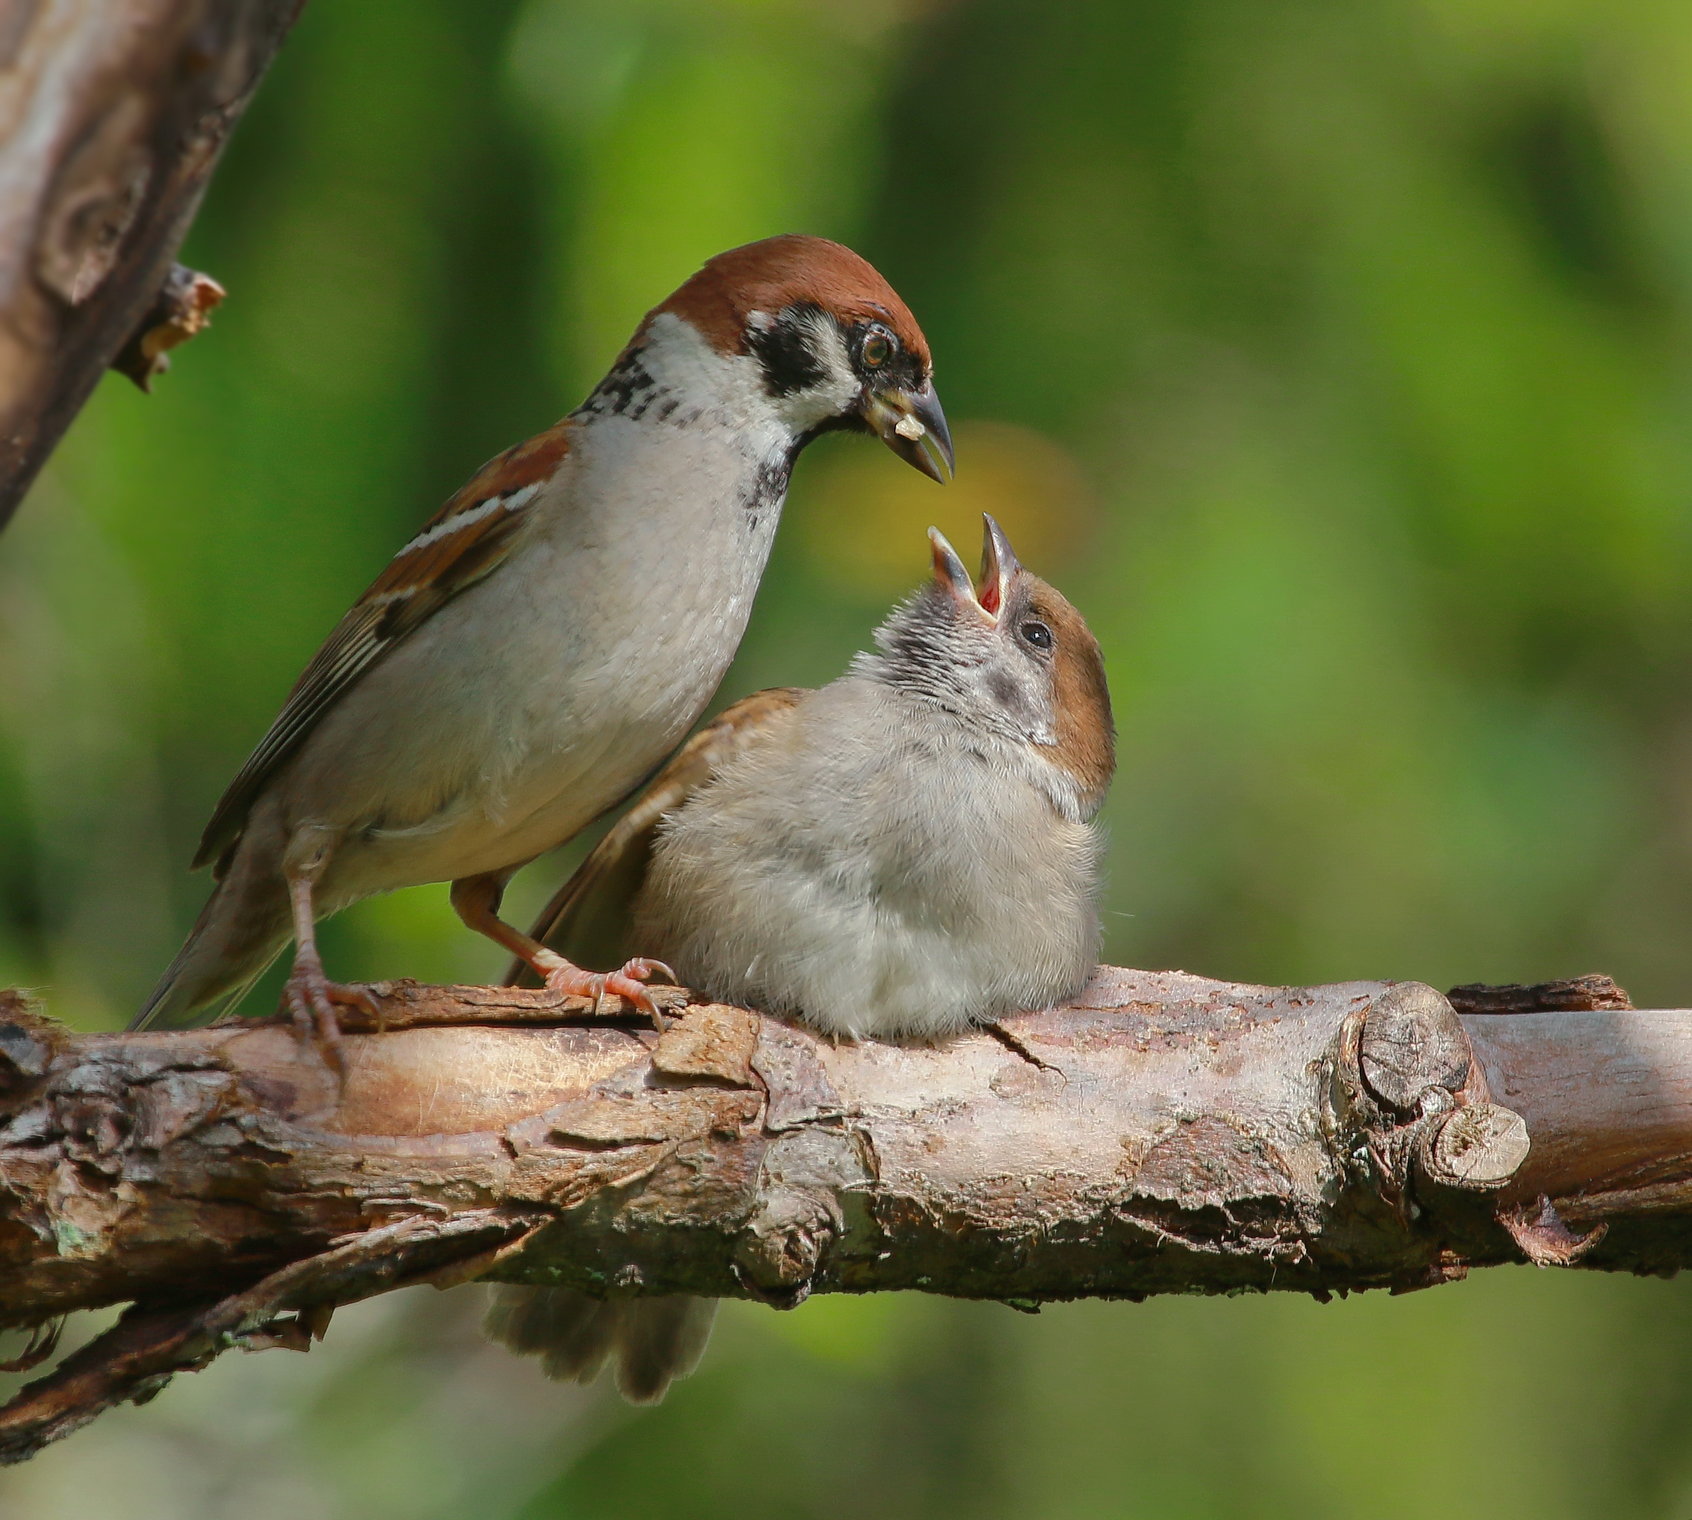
(907, 851)
(552, 632)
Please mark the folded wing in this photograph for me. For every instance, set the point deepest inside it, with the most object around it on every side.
(462, 543)
(587, 919)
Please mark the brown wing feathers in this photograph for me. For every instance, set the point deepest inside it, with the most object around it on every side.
(459, 545)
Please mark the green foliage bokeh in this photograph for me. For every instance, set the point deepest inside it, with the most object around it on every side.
(1333, 359)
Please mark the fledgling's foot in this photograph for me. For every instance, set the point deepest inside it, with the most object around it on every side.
(624, 982)
(311, 999)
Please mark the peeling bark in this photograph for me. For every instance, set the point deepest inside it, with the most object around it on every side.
(1164, 1133)
(112, 117)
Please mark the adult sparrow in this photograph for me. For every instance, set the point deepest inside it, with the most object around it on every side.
(548, 636)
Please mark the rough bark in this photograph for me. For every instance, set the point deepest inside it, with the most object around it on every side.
(1163, 1134)
(112, 117)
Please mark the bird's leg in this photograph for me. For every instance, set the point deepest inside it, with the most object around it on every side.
(310, 995)
(476, 900)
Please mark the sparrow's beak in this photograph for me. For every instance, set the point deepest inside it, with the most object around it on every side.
(913, 426)
(998, 565)
(952, 576)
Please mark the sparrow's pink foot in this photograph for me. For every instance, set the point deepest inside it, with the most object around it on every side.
(624, 982)
(311, 999)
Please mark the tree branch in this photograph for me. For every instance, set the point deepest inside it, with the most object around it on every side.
(1164, 1134)
(112, 117)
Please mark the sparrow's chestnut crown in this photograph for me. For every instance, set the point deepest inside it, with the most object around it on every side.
(832, 337)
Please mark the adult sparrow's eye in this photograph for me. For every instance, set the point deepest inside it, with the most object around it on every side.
(1037, 634)
(878, 348)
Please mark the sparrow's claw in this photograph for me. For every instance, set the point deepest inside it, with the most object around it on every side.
(624, 982)
(644, 969)
(311, 999)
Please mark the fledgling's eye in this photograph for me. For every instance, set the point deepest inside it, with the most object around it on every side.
(1036, 633)
(879, 347)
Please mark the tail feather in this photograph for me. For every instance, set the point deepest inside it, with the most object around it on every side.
(650, 1341)
(240, 931)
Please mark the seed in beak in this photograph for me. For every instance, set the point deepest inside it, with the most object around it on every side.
(909, 427)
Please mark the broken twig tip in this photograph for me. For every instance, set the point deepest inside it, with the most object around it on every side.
(183, 309)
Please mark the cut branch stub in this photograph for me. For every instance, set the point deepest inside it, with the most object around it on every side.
(1413, 1043)
(1408, 1077)
(1477, 1146)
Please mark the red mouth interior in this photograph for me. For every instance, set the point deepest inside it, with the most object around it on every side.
(988, 596)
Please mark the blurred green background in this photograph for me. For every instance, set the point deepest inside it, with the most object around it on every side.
(1332, 357)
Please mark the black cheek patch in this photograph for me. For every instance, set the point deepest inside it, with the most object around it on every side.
(1005, 692)
(783, 350)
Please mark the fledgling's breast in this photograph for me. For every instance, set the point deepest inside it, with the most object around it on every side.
(874, 877)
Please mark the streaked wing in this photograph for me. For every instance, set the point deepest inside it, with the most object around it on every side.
(587, 919)
(463, 542)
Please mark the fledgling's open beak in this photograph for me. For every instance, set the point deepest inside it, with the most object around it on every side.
(913, 426)
(952, 576)
(999, 565)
